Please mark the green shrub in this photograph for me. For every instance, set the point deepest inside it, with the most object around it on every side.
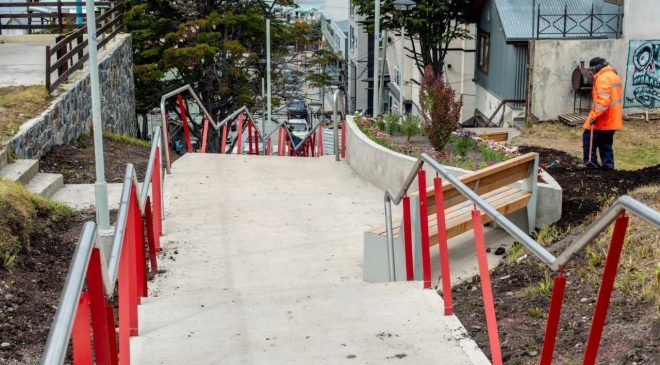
(464, 145)
(392, 125)
(492, 155)
(410, 126)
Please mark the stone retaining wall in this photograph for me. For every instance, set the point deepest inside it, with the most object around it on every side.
(70, 113)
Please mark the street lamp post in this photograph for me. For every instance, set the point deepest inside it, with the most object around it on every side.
(315, 107)
(402, 6)
(376, 102)
(100, 187)
(269, 85)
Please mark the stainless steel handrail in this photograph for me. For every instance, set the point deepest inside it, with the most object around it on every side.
(599, 225)
(163, 115)
(336, 97)
(60, 331)
(307, 136)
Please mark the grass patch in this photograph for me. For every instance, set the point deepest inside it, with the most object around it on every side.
(636, 146)
(18, 104)
(116, 137)
(638, 276)
(18, 220)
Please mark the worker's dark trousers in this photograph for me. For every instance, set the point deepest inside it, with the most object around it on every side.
(603, 143)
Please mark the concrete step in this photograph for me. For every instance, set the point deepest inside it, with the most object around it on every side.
(21, 171)
(3, 158)
(46, 184)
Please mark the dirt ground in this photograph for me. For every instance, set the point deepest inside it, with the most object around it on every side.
(30, 291)
(18, 104)
(522, 287)
(76, 160)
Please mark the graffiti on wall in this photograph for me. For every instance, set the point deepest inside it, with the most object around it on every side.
(643, 75)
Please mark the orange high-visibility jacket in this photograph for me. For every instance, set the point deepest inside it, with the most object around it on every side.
(607, 94)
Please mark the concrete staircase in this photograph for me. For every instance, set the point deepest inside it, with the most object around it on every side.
(26, 172)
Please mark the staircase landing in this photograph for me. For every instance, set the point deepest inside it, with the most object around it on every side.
(263, 258)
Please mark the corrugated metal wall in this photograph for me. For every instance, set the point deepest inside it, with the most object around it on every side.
(520, 82)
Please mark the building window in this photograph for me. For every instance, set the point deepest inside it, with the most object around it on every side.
(397, 76)
(483, 44)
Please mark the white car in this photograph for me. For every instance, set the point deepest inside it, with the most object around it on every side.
(300, 127)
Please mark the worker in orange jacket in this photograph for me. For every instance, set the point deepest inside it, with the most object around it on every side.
(605, 117)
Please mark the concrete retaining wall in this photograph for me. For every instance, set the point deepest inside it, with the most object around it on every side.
(387, 169)
(70, 113)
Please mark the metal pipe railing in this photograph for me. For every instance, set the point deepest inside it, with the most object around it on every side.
(555, 263)
(60, 332)
(338, 96)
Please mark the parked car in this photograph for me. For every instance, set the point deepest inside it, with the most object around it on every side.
(298, 127)
(297, 109)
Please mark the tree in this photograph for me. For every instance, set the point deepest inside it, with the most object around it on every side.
(432, 23)
(441, 111)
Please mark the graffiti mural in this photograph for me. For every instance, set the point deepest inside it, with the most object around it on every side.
(643, 76)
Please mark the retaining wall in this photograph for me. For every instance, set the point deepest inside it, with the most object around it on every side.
(70, 113)
(387, 169)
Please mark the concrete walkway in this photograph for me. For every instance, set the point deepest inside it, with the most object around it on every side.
(263, 263)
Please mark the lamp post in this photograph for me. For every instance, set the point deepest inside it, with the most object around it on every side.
(315, 107)
(402, 6)
(100, 187)
(376, 102)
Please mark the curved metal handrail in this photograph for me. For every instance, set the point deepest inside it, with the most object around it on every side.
(338, 96)
(555, 263)
(60, 331)
(307, 136)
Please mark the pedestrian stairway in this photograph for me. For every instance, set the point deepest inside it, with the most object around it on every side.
(26, 172)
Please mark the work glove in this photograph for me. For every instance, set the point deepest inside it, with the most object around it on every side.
(592, 122)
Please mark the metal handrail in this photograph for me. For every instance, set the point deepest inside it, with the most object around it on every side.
(308, 135)
(60, 332)
(163, 116)
(338, 96)
(599, 225)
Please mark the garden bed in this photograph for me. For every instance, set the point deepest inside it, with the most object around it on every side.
(463, 150)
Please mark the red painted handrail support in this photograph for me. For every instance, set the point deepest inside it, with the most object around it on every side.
(82, 348)
(268, 146)
(184, 122)
(320, 141)
(554, 315)
(605, 292)
(424, 222)
(239, 134)
(256, 140)
(407, 238)
(443, 247)
(205, 135)
(250, 140)
(223, 142)
(486, 289)
(343, 139)
(97, 304)
(151, 236)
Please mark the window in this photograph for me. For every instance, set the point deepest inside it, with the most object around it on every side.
(397, 76)
(483, 45)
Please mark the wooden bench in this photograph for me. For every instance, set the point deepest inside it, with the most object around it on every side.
(509, 186)
(499, 137)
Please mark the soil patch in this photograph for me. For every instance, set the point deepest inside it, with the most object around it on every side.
(76, 160)
(30, 291)
(586, 190)
(522, 288)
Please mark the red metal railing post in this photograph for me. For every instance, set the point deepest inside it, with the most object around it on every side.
(124, 299)
(132, 277)
(268, 146)
(554, 315)
(151, 235)
(424, 221)
(249, 127)
(82, 347)
(205, 134)
(407, 238)
(442, 246)
(256, 140)
(343, 139)
(140, 259)
(605, 291)
(184, 122)
(157, 199)
(239, 135)
(319, 143)
(486, 289)
(98, 302)
(112, 335)
(223, 142)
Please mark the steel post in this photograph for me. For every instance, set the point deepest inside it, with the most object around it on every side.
(376, 70)
(269, 84)
(100, 187)
(442, 246)
(424, 222)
